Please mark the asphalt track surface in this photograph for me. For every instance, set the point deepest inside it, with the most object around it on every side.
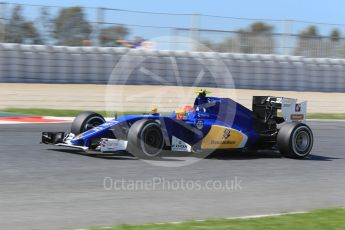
(46, 187)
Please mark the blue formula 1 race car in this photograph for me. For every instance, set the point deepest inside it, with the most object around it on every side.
(211, 123)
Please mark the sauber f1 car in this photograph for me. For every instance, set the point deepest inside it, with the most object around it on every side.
(211, 123)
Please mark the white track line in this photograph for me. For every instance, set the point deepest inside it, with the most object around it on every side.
(266, 215)
(63, 120)
(21, 123)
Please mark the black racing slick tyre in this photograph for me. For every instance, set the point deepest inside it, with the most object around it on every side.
(295, 140)
(85, 121)
(145, 139)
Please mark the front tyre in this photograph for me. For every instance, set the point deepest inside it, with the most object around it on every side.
(145, 139)
(295, 140)
(85, 121)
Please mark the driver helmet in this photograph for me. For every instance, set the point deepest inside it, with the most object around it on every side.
(184, 112)
(188, 109)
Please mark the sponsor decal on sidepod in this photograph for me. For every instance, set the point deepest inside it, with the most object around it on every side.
(179, 145)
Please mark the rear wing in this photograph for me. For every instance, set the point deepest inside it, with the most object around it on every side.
(271, 110)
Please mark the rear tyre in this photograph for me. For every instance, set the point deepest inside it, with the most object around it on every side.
(295, 140)
(145, 139)
(85, 121)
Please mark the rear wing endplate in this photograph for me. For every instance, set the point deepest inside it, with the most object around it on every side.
(293, 110)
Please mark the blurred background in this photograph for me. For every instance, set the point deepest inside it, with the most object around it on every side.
(110, 27)
(78, 45)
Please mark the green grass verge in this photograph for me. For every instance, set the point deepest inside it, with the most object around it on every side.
(72, 113)
(335, 116)
(318, 219)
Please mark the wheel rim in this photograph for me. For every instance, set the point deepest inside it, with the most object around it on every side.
(92, 123)
(152, 140)
(302, 141)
